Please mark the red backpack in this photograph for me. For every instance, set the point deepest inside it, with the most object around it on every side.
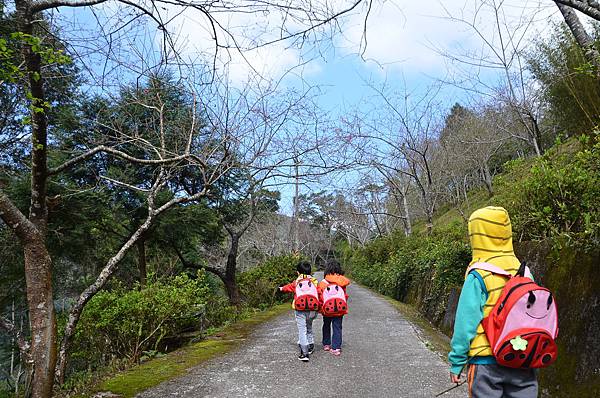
(307, 297)
(523, 325)
(334, 300)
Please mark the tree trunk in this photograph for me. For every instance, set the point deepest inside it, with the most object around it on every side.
(429, 225)
(38, 264)
(581, 36)
(89, 292)
(406, 220)
(38, 277)
(232, 291)
(141, 247)
(486, 176)
(230, 272)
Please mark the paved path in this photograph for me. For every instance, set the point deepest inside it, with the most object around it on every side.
(382, 357)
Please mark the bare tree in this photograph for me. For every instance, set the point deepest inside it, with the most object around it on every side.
(589, 8)
(397, 140)
(268, 235)
(237, 216)
(503, 43)
(469, 141)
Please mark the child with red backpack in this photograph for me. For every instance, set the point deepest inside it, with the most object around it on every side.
(334, 305)
(505, 323)
(305, 305)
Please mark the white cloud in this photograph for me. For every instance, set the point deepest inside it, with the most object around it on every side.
(405, 34)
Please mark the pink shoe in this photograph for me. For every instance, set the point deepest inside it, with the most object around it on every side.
(337, 352)
(326, 348)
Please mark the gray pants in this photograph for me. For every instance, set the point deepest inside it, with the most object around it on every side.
(494, 381)
(304, 321)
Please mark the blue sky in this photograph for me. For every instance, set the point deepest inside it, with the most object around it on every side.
(404, 41)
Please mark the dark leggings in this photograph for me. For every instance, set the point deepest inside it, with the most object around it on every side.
(336, 322)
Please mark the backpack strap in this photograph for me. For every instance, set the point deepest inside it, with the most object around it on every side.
(486, 267)
(525, 271)
(490, 268)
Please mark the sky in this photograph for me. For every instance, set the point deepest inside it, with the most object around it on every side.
(405, 40)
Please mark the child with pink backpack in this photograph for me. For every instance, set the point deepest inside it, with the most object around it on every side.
(305, 305)
(334, 305)
(506, 324)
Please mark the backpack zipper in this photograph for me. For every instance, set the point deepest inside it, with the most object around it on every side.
(510, 292)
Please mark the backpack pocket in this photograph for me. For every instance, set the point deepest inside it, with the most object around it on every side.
(526, 348)
(306, 303)
(335, 307)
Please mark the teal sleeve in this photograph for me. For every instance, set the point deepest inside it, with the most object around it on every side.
(468, 316)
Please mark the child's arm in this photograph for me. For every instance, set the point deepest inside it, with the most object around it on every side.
(321, 286)
(469, 315)
(289, 288)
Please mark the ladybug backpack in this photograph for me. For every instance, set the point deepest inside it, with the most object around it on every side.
(523, 324)
(307, 298)
(334, 300)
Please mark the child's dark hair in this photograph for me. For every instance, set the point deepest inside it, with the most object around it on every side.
(333, 267)
(304, 268)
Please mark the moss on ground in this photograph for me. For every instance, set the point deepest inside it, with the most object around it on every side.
(149, 374)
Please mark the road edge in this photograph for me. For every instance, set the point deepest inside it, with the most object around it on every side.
(139, 378)
(434, 339)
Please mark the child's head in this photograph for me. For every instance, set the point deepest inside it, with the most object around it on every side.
(333, 267)
(304, 268)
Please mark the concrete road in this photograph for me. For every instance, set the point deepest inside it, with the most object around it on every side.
(382, 357)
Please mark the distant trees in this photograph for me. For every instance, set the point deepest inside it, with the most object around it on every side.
(569, 81)
(469, 141)
(501, 52)
(398, 141)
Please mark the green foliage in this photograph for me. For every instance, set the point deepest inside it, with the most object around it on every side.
(417, 268)
(5, 391)
(9, 72)
(259, 285)
(568, 81)
(123, 323)
(12, 68)
(138, 324)
(558, 199)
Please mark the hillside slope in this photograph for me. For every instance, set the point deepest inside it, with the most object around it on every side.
(554, 203)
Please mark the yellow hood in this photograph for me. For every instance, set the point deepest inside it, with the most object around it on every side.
(491, 238)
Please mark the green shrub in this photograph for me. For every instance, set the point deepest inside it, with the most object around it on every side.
(259, 285)
(421, 269)
(123, 323)
(558, 199)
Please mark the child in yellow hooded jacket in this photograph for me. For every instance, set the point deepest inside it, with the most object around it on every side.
(490, 233)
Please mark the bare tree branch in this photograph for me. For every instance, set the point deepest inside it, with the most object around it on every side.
(16, 220)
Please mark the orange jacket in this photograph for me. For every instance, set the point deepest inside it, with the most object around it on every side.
(339, 280)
